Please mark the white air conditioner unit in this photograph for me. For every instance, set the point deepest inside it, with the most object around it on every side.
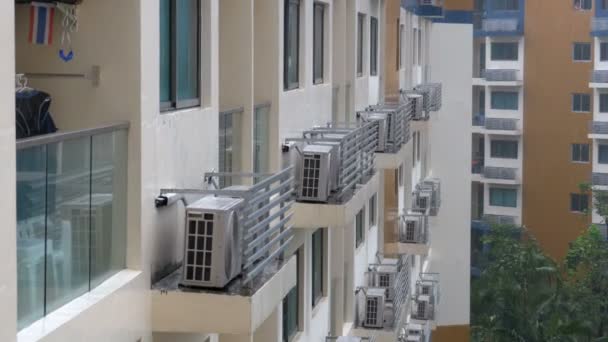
(384, 276)
(422, 201)
(417, 106)
(374, 308)
(423, 309)
(315, 172)
(212, 250)
(412, 332)
(383, 129)
(90, 238)
(412, 228)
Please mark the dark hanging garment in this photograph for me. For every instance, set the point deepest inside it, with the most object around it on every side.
(32, 114)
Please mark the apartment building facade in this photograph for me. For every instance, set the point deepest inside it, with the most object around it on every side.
(97, 243)
(532, 144)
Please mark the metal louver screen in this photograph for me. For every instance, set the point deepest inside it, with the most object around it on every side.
(310, 180)
(200, 247)
(371, 314)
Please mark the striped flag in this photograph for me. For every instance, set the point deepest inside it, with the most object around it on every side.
(41, 23)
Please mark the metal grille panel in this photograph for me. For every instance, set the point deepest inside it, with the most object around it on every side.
(310, 180)
(199, 249)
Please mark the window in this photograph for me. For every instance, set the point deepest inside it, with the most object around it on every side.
(502, 197)
(373, 46)
(580, 153)
(602, 154)
(579, 203)
(180, 54)
(399, 44)
(319, 41)
(603, 4)
(581, 103)
(291, 46)
(506, 5)
(372, 211)
(603, 103)
(359, 231)
(604, 51)
(504, 51)
(582, 4)
(229, 143)
(290, 314)
(418, 146)
(505, 100)
(504, 149)
(400, 175)
(317, 266)
(261, 143)
(581, 52)
(360, 28)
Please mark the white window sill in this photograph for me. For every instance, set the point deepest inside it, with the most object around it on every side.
(53, 321)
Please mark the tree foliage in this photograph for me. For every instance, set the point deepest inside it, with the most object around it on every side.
(523, 295)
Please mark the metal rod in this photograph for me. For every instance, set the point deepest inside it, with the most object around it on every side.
(70, 135)
(260, 267)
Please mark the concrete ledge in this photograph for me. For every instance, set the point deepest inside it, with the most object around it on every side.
(407, 248)
(316, 215)
(223, 313)
(391, 160)
(598, 85)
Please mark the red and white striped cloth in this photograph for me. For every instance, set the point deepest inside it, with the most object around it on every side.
(41, 23)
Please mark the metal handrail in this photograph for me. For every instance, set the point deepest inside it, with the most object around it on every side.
(70, 135)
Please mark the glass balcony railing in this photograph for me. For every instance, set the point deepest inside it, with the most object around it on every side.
(71, 216)
(599, 26)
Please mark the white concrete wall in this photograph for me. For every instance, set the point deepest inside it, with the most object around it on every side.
(597, 64)
(8, 267)
(450, 143)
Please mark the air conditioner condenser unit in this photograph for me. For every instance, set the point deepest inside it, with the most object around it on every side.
(373, 308)
(316, 172)
(212, 250)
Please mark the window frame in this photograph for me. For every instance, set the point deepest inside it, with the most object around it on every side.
(600, 106)
(600, 147)
(579, 203)
(578, 149)
(317, 294)
(373, 46)
(287, 83)
(318, 66)
(577, 101)
(578, 5)
(360, 228)
(501, 55)
(360, 43)
(373, 211)
(503, 92)
(603, 51)
(576, 45)
(174, 103)
(498, 150)
(502, 204)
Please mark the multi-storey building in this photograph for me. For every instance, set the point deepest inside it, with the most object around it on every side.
(531, 148)
(179, 200)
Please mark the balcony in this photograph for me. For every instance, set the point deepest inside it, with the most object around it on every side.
(479, 120)
(599, 79)
(71, 216)
(382, 304)
(599, 26)
(500, 173)
(506, 77)
(477, 165)
(598, 127)
(511, 25)
(501, 124)
(245, 276)
(424, 8)
(599, 179)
